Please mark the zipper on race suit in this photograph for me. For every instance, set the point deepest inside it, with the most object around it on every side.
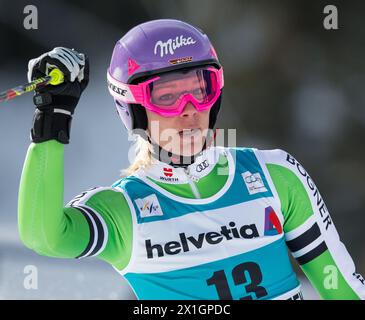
(191, 181)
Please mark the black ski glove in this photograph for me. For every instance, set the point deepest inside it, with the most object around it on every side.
(55, 104)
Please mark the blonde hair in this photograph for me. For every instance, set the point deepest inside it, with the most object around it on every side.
(143, 156)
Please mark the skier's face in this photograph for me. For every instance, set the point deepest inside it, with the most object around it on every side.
(184, 134)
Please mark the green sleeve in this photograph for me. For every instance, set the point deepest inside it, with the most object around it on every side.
(51, 229)
(311, 236)
(112, 226)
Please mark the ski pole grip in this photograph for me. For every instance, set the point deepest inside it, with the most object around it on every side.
(56, 77)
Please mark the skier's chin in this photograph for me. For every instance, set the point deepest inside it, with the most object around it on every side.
(189, 147)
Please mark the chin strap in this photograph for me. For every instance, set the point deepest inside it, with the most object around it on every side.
(179, 161)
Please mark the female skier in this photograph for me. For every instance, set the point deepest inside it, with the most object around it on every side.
(190, 220)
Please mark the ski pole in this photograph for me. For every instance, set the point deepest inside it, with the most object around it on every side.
(54, 78)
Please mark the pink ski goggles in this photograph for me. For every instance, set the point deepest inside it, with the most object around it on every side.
(168, 93)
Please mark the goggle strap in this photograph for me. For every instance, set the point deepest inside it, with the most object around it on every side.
(221, 77)
(124, 92)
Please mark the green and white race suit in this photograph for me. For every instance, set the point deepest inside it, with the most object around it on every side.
(219, 229)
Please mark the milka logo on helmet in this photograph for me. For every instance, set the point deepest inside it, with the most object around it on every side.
(169, 46)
